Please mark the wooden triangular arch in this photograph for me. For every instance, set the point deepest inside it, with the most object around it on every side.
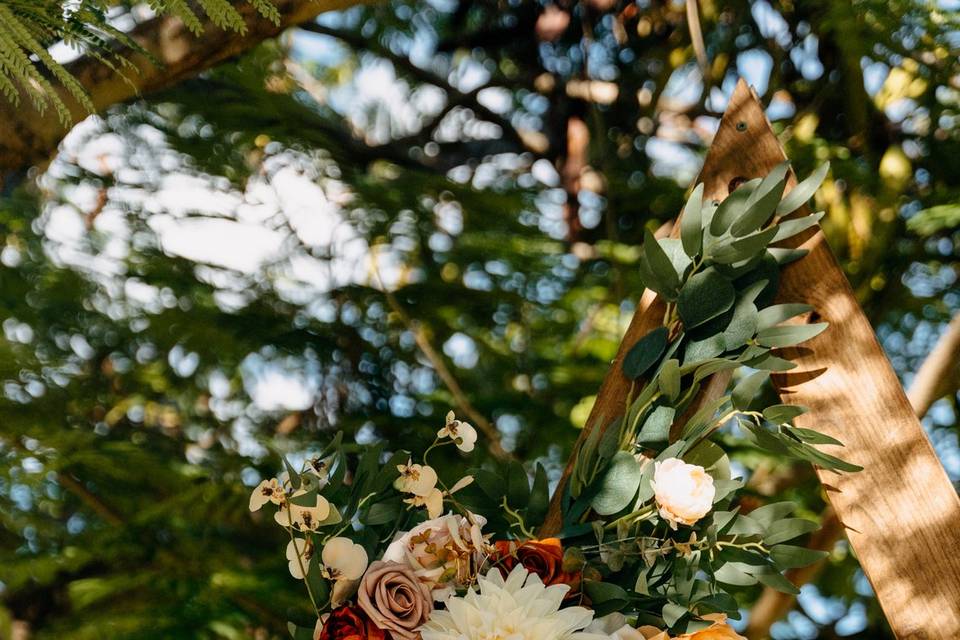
(901, 514)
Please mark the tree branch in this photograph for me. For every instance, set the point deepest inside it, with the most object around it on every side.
(29, 137)
(449, 381)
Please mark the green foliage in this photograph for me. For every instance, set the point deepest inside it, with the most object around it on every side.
(29, 27)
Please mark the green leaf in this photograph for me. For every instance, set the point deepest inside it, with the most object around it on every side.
(668, 282)
(788, 529)
(770, 362)
(767, 270)
(382, 513)
(790, 557)
(813, 437)
(490, 483)
(732, 573)
(698, 351)
(746, 390)
(539, 497)
(775, 580)
(770, 513)
(645, 353)
(299, 633)
(605, 597)
(691, 223)
(705, 296)
(786, 256)
(762, 202)
(711, 457)
(790, 228)
(656, 428)
(745, 526)
(778, 313)
(518, 486)
(308, 499)
(619, 485)
(732, 208)
(669, 379)
(744, 248)
(294, 475)
(742, 326)
(318, 586)
(788, 335)
(672, 613)
(801, 193)
(782, 413)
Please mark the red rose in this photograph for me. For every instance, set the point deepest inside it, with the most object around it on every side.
(348, 623)
(542, 557)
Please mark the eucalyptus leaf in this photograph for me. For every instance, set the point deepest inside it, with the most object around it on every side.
(767, 270)
(645, 353)
(732, 207)
(746, 390)
(705, 296)
(786, 256)
(801, 193)
(668, 282)
(691, 223)
(762, 202)
(790, 228)
(813, 437)
(742, 326)
(780, 313)
(788, 529)
(775, 580)
(699, 351)
(783, 413)
(770, 362)
(791, 557)
(656, 428)
(770, 513)
(731, 573)
(619, 485)
(669, 378)
(743, 248)
(788, 335)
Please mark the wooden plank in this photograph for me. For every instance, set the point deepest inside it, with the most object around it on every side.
(901, 514)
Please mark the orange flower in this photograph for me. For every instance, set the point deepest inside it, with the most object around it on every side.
(719, 630)
(541, 557)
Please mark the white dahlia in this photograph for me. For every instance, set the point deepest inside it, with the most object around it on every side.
(518, 608)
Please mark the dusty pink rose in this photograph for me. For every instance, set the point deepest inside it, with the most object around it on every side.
(395, 599)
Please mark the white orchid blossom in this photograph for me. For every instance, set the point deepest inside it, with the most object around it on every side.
(462, 433)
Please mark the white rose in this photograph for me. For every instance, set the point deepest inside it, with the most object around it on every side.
(684, 492)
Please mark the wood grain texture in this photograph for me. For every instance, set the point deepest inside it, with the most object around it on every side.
(901, 514)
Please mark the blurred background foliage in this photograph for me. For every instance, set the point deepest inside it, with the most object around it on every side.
(403, 208)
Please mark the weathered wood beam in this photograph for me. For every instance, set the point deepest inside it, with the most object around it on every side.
(901, 514)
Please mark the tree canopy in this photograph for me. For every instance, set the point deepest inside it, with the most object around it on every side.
(388, 212)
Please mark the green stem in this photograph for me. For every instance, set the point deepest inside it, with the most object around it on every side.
(303, 568)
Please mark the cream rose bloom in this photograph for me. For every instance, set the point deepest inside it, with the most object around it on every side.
(684, 492)
(444, 552)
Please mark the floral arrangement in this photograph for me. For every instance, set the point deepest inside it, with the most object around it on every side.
(653, 542)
